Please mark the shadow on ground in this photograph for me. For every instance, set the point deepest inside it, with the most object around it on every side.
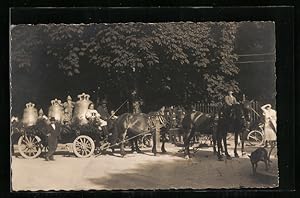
(201, 172)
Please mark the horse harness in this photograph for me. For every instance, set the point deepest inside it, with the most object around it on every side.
(152, 121)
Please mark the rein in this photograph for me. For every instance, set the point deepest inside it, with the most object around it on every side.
(118, 109)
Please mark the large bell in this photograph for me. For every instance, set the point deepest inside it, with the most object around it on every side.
(56, 110)
(30, 115)
(81, 108)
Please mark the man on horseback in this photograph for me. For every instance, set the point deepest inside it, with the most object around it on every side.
(230, 100)
(137, 102)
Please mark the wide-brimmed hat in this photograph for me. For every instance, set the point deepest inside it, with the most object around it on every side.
(268, 105)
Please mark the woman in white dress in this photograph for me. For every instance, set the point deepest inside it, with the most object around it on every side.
(93, 115)
(270, 127)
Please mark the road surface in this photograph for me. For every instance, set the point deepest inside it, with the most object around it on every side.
(141, 171)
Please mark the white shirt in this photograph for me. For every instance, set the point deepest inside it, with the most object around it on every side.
(53, 126)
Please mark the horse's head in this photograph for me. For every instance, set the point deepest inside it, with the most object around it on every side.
(159, 119)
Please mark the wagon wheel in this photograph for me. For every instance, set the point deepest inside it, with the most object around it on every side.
(83, 146)
(255, 138)
(29, 146)
(147, 140)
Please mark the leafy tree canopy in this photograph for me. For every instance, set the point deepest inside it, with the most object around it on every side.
(184, 61)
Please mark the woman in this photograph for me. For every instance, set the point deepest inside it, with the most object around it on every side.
(93, 115)
(270, 124)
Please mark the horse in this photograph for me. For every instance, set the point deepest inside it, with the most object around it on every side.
(197, 121)
(135, 125)
(234, 119)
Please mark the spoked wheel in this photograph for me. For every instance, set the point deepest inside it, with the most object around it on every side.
(255, 138)
(147, 140)
(29, 146)
(83, 146)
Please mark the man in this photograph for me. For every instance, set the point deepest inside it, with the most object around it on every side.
(52, 136)
(136, 102)
(104, 115)
(230, 99)
(103, 110)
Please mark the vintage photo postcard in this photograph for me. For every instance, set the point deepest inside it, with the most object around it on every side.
(173, 105)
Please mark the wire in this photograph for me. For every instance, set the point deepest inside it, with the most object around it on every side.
(263, 54)
(265, 61)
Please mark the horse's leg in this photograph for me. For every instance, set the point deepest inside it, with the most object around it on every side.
(236, 138)
(163, 150)
(214, 141)
(219, 146)
(187, 140)
(225, 146)
(243, 141)
(154, 151)
(132, 145)
(122, 150)
(137, 145)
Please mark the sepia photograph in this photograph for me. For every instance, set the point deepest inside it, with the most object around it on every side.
(119, 106)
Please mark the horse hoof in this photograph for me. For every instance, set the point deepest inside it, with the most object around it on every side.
(139, 151)
(243, 153)
(187, 157)
(228, 157)
(220, 159)
(164, 151)
(122, 154)
(236, 155)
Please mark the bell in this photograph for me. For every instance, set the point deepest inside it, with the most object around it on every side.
(80, 109)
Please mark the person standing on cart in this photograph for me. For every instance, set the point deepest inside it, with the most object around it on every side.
(52, 136)
(68, 110)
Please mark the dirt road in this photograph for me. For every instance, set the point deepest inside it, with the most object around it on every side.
(140, 171)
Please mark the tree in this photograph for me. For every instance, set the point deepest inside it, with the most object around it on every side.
(183, 61)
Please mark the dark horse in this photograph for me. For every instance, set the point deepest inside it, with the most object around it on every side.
(133, 126)
(233, 119)
(197, 121)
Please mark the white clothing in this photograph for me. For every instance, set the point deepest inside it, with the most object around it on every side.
(270, 123)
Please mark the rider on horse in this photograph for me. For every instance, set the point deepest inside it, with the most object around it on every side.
(229, 101)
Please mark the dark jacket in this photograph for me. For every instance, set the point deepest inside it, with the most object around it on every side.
(103, 113)
(54, 132)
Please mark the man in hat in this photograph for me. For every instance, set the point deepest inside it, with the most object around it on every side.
(230, 99)
(103, 110)
(104, 115)
(52, 136)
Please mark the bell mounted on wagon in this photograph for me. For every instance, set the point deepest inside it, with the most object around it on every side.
(80, 109)
(30, 115)
(56, 110)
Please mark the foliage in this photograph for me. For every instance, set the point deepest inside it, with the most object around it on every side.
(184, 61)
